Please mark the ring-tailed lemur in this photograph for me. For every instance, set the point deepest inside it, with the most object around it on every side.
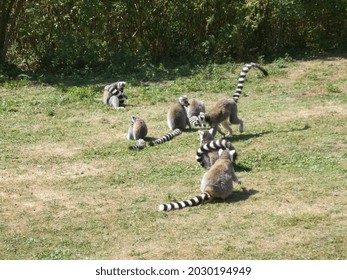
(139, 145)
(195, 121)
(193, 110)
(177, 115)
(166, 137)
(137, 129)
(216, 183)
(225, 110)
(203, 153)
(207, 159)
(114, 95)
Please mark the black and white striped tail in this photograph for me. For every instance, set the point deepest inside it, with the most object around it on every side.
(197, 200)
(195, 121)
(242, 77)
(139, 145)
(166, 137)
(214, 146)
(116, 89)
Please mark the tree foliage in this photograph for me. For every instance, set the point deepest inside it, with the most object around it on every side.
(83, 34)
(9, 12)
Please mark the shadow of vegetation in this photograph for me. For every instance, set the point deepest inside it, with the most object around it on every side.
(142, 75)
(300, 55)
(237, 196)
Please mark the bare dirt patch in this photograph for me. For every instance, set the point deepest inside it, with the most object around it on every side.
(47, 149)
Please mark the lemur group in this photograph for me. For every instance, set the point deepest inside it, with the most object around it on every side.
(215, 155)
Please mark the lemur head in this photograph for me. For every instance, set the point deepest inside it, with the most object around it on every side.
(227, 154)
(121, 85)
(133, 118)
(204, 118)
(205, 136)
(183, 100)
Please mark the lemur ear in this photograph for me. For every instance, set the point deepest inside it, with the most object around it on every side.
(210, 130)
(232, 153)
(220, 151)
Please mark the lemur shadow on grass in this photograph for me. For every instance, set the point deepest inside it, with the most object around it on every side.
(150, 139)
(236, 196)
(240, 167)
(243, 136)
(192, 129)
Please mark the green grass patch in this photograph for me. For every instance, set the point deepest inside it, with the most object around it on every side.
(71, 189)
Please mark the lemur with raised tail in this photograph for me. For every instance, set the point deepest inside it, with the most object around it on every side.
(224, 112)
(242, 77)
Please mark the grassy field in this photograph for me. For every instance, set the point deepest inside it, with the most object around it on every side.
(70, 188)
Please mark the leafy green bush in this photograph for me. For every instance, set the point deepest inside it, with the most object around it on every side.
(72, 36)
